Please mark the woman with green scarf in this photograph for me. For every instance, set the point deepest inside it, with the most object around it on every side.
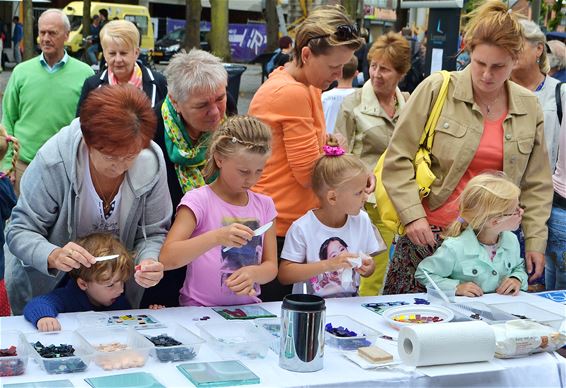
(192, 110)
(194, 107)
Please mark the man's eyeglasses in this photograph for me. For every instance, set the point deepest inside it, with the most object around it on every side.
(344, 33)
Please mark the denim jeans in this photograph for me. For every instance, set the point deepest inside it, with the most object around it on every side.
(555, 268)
(92, 53)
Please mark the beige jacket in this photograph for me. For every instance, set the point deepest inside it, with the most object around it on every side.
(457, 136)
(366, 126)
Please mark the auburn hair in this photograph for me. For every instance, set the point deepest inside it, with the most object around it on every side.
(117, 120)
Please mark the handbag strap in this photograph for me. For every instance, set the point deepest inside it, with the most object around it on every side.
(428, 133)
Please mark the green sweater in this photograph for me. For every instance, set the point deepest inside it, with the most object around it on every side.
(37, 104)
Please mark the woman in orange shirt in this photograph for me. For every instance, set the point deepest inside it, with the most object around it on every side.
(289, 103)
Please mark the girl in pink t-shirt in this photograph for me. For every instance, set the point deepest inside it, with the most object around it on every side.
(222, 215)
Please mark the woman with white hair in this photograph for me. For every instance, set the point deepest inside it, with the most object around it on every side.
(557, 59)
(120, 41)
(531, 72)
(193, 109)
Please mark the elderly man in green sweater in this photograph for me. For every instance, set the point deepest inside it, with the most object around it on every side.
(42, 93)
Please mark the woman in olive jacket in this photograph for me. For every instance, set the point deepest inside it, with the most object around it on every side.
(487, 123)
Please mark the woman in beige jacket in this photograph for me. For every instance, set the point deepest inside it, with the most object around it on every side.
(367, 119)
(487, 123)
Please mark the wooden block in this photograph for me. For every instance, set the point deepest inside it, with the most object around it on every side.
(374, 354)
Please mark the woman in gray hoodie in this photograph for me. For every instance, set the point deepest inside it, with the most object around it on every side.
(102, 173)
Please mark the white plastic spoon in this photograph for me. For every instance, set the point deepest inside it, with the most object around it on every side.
(258, 232)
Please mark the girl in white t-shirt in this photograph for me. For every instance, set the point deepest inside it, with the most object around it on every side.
(327, 249)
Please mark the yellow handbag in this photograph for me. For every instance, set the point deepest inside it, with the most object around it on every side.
(423, 174)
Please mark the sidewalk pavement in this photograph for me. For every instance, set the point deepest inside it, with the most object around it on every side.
(249, 83)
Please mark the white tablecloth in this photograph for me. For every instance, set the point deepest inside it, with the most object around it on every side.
(545, 369)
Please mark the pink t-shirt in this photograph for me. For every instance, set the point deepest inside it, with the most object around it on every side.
(204, 284)
(488, 156)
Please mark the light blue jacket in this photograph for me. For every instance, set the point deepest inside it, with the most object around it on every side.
(463, 259)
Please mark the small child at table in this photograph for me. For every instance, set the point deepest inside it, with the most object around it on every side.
(480, 253)
(99, 288)
(324, 243)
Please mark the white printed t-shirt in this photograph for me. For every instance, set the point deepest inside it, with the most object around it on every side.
(309, 240)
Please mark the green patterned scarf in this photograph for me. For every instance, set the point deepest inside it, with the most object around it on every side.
(189, 158)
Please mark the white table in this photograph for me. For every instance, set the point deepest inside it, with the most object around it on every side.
(545, 369)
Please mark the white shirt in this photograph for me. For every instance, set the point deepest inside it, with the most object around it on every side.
(331, 102)
(547, 98)
(309, 240)
(91, 207)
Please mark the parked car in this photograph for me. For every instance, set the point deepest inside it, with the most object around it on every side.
(171, 44)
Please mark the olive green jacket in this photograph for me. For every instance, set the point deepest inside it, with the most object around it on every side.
(457, 137)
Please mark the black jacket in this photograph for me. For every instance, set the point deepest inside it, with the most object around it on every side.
(154, 85)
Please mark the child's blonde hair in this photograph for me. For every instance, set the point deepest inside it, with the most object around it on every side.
(104, 244)
(5, 141)
(235, 134)
(332, 171)
(486, 196)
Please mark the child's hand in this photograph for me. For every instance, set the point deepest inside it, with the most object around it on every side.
(509, 286)
(48, 324)
(339, 262)
(367, 268)
(469, 289)
(156, 306)
(148, 273)
(242, 281)
(234, 235)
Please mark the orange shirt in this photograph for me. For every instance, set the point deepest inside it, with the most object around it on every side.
(294, 113)
(488, 156)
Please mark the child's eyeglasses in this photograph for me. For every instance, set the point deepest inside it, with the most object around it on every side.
(344, 33)
(516, 212)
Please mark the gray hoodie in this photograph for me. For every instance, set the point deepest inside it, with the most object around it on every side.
(45, 217)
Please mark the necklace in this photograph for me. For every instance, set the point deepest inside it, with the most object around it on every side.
(489, 105)
(106, 202)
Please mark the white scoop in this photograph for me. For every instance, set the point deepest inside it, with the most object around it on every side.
(258, 232)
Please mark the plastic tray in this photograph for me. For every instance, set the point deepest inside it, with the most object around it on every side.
(366, 336)
(478, 311)
(189, 348)
(523, 310)
(446, 315)
(236, 339)
(272, 327)
(134, 355)
(77, 363)
(13, 365)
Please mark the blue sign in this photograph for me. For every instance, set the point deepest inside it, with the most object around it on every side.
(246, 40)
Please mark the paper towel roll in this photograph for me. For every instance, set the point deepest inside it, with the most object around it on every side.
(446, 343)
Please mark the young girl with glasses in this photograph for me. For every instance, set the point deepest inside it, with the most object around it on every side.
(480, 254)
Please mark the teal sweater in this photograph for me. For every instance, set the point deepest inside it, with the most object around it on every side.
(37, 104)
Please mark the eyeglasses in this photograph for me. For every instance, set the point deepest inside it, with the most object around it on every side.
(344, 33)
(516, 212)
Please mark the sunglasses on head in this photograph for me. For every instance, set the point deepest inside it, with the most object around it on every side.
(344, 33)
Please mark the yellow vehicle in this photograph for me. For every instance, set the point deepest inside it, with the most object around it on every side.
(137, 14)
